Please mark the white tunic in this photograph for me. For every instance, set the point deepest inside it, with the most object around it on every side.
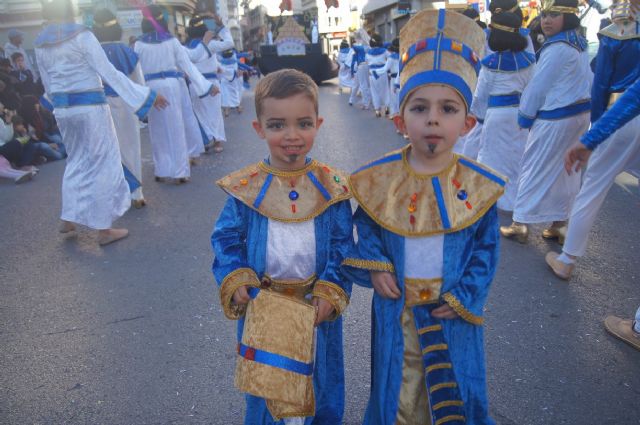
(378, 80)
(208, 110)
(344, 74)
(94, 191)
(231, 94)
(545, 191)
(168, 127)
(503, 141)
(393, 66)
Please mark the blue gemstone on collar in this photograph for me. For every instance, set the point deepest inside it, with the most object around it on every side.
(293, 195)
(462, 195)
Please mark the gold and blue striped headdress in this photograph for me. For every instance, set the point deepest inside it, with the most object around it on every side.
(440, 47)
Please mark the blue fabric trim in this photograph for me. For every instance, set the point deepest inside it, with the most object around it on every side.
(203, 134)
(69, 100)
(525, 121)
(132, 181)
(437, 77)
(319, 186)
(438, 45)
(210, 75)
(395, 55)
(360, 53)
(390, 158)
(524, 32)
(509, 61)
(193, 43)
(121, 56)
(228, 61)
(146, 106)
(57, 33)
(480, 120)
(571, 37)
(504, 100)
(263, 191)
(109, 91)
(163, 74)
(155, 37)
(345, 50)
(376, 51)
(444, 216)
(565, 111)
(482, 171)
(206, 93)
(46, 104)
(442, 16)
(276, 360)
(376, 66)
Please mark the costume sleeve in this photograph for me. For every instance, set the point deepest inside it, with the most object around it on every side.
(137, 76)
(624, 110)
(200, 84)
(368, 254)
(602, 79)
(481, 96)
(230, 267)
(198, 53)
(139, 98)
(332, 284)
(468, 297)
(551, 62)
(225, 43)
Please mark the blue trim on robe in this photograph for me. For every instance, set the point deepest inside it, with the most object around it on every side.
(383, 160)
(143, 111)
(571, 37)
(71, 99)
(509, 61)
(345, 50)
(395, 55)
(469, 264)
(228, 61)
(240, 240)
(442, 206)
(155, 37)
(57, 33)
(194, 42)
(376, 51)
(123, 58)
(132, 181)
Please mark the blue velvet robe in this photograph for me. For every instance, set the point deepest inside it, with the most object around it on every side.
(469, 264)
(239, 241)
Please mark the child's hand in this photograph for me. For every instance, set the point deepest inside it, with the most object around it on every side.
(444, 312)
(324, 309)
(385, 285)
(241, 296)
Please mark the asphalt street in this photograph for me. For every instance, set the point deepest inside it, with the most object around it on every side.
(133, 333)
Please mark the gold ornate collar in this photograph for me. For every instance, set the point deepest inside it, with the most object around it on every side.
(412, 204)
(622, 31)
(290, 196)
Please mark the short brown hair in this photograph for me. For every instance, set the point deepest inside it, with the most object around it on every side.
(285, 83)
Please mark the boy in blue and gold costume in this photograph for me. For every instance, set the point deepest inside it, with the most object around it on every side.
(285, 230)
(428, 237)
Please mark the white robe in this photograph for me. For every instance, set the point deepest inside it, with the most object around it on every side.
(94, 190)
(503, 141)
(393, 66)
(378, 80)
(545, 191)
(229, 77)
(173, 131)
(344, 74)
(360, 81)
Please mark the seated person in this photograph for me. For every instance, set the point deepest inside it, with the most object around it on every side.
(43, 123)
(26, 82)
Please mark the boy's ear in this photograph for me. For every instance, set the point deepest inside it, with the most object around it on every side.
(319, 122)
(398, 120)
(257, 126)
(470, 121)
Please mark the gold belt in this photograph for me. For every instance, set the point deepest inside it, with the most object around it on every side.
(613, 98)
(295, 288)
(421, 291)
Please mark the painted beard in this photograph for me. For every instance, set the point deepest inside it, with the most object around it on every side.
(292, 158)
(432, 147)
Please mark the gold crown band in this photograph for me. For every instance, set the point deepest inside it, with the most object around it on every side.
(198, 24)
(562, 9)
(499, 10)
(106, 24)
(504, 28)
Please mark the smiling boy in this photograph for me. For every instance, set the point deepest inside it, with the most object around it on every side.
(285, 230)
(428, 237)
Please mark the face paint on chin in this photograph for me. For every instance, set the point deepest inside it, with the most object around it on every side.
(432, 147)
(292, 158)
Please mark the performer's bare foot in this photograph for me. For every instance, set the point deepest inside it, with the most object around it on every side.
(67, 226)
(181, 180)
(239, 109)
(108, 236)
(217, 147)
(138, 203)
(226, 112)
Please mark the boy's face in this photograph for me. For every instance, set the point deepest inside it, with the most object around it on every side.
(551, 23)
(20, 63)
(434, 117)
(19, 128)
(289, 126)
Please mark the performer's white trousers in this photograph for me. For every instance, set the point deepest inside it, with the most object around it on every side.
(394, 98)
(379, 91)
(618, 153)
(545, 191)
(361, 82)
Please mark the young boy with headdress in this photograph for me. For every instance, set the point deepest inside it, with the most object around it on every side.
(504, 75)
(617, 68)
(555, 108)
(279, 243)
(72, 67)
(427, 228)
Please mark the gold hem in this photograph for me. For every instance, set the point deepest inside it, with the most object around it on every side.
(457, 306)
(334, 294)
(376, 266)
(231, 282)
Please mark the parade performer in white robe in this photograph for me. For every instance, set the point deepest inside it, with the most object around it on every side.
(108, 31)
(229, 78)
(359, 69)
(72, 63)
(209, 109)
(376, 58)
(503, 78)
(617, 68)
(164, 60)
(555, 107)
(344, 74)
(393, 66)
